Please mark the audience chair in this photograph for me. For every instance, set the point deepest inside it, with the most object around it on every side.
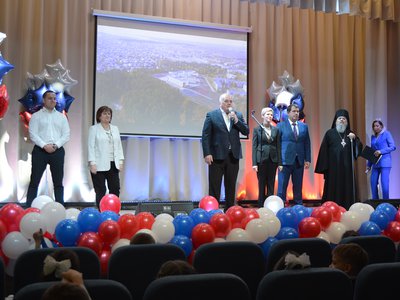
(98, 289)
(244, 259)
(380, 248)
(214, 286)
(378, 281)
(310, 284)
(29, 265)
(136, 266)
(319, 251)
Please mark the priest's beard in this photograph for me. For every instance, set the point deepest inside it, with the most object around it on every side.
(341, 128)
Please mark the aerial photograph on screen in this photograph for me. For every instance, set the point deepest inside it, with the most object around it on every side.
(162, 83)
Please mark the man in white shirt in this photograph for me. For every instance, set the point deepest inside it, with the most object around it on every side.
(49, 131)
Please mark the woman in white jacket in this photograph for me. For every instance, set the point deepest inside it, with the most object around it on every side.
(105, 154)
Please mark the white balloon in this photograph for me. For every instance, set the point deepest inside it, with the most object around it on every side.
(164, 230)
(265, 212)
(274, 225)
(323, 235)
(219, 240)
(164, 216)
(41, 201)
(14, 244)
(30, 223)
(257, 230)
(120, 243)
(53, 213)
(363, 210)
(351, 219)
(274, 203)
(238, 234)
(72, 213)
(335, 232)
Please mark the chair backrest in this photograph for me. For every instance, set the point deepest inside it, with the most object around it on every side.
(135, 266)
(29, 265)
(378, 281)
(317, 249)
(2, 279)
(244, 259)
(310, 284)
(214, 286)
(380, 248)
(98, 289)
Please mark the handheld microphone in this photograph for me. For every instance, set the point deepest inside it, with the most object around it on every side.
(230, 109)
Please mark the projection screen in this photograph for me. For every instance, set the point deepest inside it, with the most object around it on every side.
(161, 76)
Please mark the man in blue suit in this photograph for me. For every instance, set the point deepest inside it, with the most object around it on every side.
(222, 149)
(296, 154)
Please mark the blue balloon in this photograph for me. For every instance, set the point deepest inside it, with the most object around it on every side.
(183, 225)
(183, 242)
(89, 219)
(301, 212)
(67, 232)
(287, 233)
(387, 208)
(288, 217)
(5, 66)
(215, 211)
(380, 218)
(298, 100)
(199, 215)
(369, 228)
(266, 245)
(64, 101)
(109, 215)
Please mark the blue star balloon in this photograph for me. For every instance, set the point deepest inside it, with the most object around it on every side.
(64, 101)
(5, 66)
(33, 99)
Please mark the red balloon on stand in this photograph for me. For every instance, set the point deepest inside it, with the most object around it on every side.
(145, 220)
(251, 214)
(393, 231)
(334, 209)
(201, 234)
(236, 214)
(128, 225)
(3, 100)
(221, 224)
(208, 203)
(309, 227)
(109, 232)
(10, 215)
(323, 215)
(3, 231)
(92, 241)
(104, 258)
(110, 202)
(397, 216)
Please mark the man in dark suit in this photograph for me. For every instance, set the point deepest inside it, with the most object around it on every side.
(222, 149)
(266, 154)
(296, 154)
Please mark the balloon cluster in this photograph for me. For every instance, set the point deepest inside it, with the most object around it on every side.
(54, 77)
(281, 96)
(5, 67)
(106, 230)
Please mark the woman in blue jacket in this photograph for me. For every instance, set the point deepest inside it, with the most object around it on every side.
(383, 144)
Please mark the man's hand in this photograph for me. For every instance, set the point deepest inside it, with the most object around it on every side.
(49, 148)
(351, 136)
(93, 169)
(306, 164)
(72, 276)
(255, 168)
(208, 159)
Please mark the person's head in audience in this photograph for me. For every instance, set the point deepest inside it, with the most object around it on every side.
(61, 260)
(291, 260)
(350, 258)
(141, 238)
(350, 233)
(65, 291)
(176, 267)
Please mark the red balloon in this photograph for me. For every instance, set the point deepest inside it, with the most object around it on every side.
(110, 202)
(201, 234)
(109, 232)
(3, 231)
(10, 215)
(221, 224)
(335, 210)
(309, 227)
(104, 258)
(208, 203)
(191, 256)
(323, 215)
(31, 209)
(397, 216)
(90, 240)
(145, 220)
(3, 100)
(236, 214)
(251, 213)
(25, 118)
(393, 231)
(129, 226)
(4, 257)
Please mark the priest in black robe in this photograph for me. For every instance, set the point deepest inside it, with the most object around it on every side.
(339, 148)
